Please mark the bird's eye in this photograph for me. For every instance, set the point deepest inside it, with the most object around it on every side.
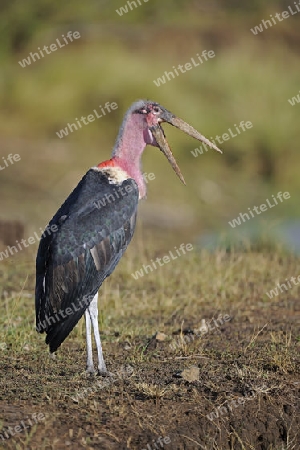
(156, 109)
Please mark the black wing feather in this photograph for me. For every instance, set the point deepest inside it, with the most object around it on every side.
(94, 228)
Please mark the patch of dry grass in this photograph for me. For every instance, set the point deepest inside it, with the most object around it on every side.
(257, 350)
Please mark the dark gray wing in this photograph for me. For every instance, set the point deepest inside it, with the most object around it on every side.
(92, 229)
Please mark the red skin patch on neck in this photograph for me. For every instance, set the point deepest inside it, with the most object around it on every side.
(109, 163)
(114, 162)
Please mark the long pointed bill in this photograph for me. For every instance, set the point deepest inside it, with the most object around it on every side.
(188, 129)
(164, 147)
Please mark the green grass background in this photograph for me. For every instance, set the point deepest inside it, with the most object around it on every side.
(117, 58)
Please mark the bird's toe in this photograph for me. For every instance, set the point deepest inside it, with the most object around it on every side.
(90, 370)
(105, 373)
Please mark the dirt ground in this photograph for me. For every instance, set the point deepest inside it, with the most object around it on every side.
(227, 381)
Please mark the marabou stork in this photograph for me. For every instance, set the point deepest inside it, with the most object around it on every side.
(94, 226)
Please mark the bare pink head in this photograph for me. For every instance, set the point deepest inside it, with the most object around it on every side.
(141, 127)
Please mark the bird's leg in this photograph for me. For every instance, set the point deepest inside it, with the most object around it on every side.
(93, 312)
(88, 325)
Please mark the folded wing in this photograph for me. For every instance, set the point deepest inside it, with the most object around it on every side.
(93, 229)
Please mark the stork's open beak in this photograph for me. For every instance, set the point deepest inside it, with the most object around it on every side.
(188, 129)
(158, 133)
(168, 117)
(161, 141)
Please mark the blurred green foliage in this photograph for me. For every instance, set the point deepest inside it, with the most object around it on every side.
(116, 59)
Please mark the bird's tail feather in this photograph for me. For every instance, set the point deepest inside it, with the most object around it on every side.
(58, 332)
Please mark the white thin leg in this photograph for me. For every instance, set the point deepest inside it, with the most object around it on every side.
(93, 316)
(89, 349)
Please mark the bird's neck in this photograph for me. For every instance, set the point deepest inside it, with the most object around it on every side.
(131, 142)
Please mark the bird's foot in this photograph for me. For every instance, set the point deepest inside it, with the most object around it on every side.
(90, 370)
(104, 373)
(52, 356)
